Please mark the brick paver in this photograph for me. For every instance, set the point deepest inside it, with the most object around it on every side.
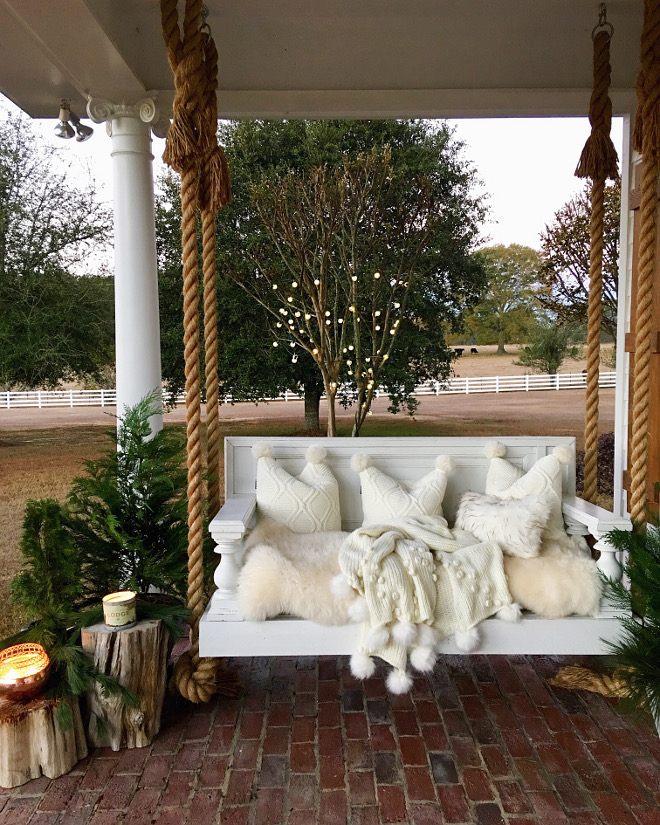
(482, 740)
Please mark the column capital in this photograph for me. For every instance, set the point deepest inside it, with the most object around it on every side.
(102, 110)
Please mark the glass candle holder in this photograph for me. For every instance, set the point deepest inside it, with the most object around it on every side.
(23, 671)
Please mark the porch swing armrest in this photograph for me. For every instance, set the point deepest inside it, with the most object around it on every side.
(584, 518)
(234, 518)
(597, 520)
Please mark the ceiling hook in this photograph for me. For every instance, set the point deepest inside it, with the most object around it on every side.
(602, 22)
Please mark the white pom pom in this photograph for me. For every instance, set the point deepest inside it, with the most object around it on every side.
(362, 666)
(404, 633)
(315, 454)
(341, 588)
(467, 640)
(510, 613)
(360, 462)
(423, 658)
(427, 636)
(262, 450)
(444, 463)
(495, 449)
(399, 681)
(378, 637)
(358, 611)
(564, 455)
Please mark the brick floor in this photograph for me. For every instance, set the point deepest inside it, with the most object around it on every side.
(483, 740)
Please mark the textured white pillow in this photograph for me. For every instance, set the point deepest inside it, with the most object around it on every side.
(308, 503)
(515, 524)
(544, 479)
(384, 498)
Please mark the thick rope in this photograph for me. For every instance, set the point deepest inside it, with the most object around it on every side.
(189, 148)
(576, 677)
(647, 141)
(598, 162)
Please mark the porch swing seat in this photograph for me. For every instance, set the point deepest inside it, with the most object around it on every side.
(223, 630)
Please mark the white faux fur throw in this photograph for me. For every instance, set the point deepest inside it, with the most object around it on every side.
(555, 585)
(290, 573)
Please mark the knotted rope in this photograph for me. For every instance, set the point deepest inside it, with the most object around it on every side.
(192, 150)
(646, 139)
(598, 161)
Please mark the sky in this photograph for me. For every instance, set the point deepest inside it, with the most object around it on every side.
(526, 167)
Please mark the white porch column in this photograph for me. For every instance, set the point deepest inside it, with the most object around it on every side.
(137, 327)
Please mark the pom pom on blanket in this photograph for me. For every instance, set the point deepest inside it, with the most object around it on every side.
(427, 636)
(362, 666)
(359, 610)
(423, 658)
(315, 454)
(444, 463)
(399, 682)
(378, 638)
(340, 587)
(510, 613)
(404, 633)
(467, 640)
(495, 449)
(564, 455)
(360, 462)
(262, 450)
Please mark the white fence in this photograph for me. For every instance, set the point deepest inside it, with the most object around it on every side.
(455, 386)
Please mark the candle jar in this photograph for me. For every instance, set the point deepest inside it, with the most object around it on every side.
(119, 610)
(23, 671)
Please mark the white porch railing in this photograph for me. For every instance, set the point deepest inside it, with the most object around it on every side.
(455, 386)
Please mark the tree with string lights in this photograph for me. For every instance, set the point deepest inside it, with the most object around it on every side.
(351, 255)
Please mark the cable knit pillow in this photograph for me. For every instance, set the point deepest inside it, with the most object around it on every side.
(384, 498)
(515, 524)
(308, 503)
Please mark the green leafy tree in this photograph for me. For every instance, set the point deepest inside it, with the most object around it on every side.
(506, 312)
(258, 151)
(565, 260)
(128, 514)
(57, 320)
(549, 346)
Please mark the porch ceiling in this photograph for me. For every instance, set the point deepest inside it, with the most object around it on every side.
(318, 58)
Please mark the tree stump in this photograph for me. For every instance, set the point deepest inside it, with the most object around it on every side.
(137, 658)
(32, 742)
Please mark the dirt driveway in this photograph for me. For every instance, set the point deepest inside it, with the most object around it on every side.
(549, 412)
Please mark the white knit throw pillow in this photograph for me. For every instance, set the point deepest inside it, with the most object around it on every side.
(384, 498)
(515, 524)
(308, 503)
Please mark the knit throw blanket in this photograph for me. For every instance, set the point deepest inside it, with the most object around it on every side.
(420, 582)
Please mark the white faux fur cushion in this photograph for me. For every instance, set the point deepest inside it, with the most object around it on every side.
(515, 524)
(307, 503)
(291, 573)
(555, 585)
(384, 498)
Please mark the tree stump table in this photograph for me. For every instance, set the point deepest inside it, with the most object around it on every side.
(33, 743)
(137, 658)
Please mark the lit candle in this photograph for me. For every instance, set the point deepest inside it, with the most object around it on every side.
(23, 670)
(119, 609)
